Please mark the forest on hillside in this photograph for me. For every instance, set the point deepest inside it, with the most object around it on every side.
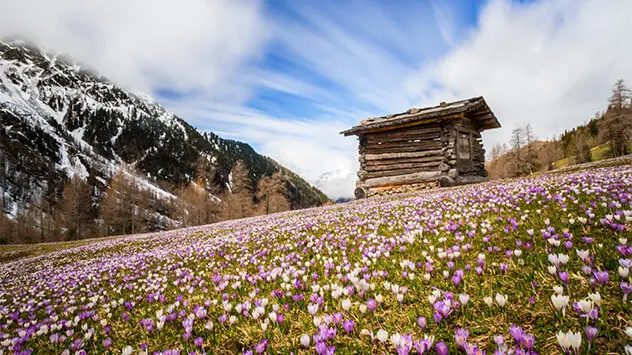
(606, 135)
(130, 206)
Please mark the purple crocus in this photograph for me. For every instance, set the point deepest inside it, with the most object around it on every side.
(442, 348)
(602, 276)
(460, 337)
(371, 304)
(405, 344)
(348, 325)
(563, 277)
(516, 333)
(423, 345)
(261, 347)
(421, 321)
(626, 288)
(198, 342)
(591, 333)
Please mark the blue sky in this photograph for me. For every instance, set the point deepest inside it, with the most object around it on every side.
(288, 76)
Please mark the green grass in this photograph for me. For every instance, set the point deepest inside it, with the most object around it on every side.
(12, 252)
(600, 152)
(561, 163)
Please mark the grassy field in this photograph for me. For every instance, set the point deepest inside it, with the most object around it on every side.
(597, 153)
(538, 264)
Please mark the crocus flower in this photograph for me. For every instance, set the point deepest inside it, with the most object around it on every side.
(560, 302)
(591, 332)
(602, 276)
(442, 348)
(460, 337)
(305, 341)
(569, 340)
(382, 335)
(261, 347)
(348, 325)
(421, 321)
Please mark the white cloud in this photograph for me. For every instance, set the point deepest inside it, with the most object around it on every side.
(548, 63)
(184, 45)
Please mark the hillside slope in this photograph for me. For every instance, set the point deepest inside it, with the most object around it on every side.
(59, 119)
(501, 267)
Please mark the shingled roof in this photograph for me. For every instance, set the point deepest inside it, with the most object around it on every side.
(475, 109)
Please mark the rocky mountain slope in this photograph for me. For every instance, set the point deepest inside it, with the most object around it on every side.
(60, 119)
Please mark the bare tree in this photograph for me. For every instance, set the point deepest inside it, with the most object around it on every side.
(124, 205)
(517, 143)
(76, 207)
(618, 132)
(238, 201)
(270, 192)
(530, 158)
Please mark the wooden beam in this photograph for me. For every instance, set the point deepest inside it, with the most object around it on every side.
(426, 153)
(436, 159)
(403, 179)
(363, 174)
(372, 168)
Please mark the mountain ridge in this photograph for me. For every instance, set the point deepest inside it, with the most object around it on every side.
(60, 119)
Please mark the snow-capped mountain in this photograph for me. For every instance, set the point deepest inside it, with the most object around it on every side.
(337, 182)
(60, 119)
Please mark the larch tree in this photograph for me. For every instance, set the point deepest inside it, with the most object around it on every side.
(618, 132)
(517, 143)
(238, 201)
(123, 207)
(531, 156)
(270, 193)
(76, 208)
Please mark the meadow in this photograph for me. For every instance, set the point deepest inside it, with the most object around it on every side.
(523, 266)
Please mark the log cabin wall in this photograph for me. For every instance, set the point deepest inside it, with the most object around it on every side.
(401, 152)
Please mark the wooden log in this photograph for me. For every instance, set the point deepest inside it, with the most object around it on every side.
(403, 138)
(434, 128)
(363, 174)
(407, 143)
(403, 179)
(401, 166)
(411, 148)
(436, 158)
(403, 155)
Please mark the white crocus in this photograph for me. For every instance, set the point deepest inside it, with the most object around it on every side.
(585, 305)
(560, 302)
(382, 335)
(312, 308)
(501, 300)
(558, 290)
(595, 297)
(305, 341)
(346, 304)
(396, 339)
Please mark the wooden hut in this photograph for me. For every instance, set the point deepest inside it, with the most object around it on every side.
(424, 147)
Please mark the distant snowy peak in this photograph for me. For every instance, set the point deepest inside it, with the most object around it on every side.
(337, 183)
(334, 175)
